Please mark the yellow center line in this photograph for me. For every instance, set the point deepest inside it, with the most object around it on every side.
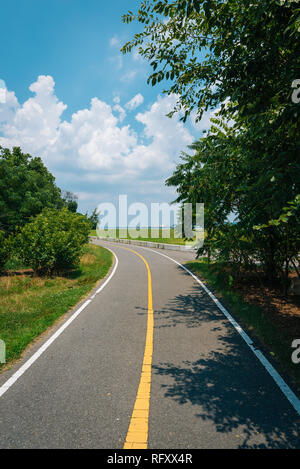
(137, 435)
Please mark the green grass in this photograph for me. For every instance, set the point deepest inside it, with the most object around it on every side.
(30, 304)
(252, 316)
(163, 237)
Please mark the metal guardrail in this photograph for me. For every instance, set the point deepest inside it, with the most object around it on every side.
(149, 244)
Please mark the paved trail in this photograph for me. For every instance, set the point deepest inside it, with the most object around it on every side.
(152, 358)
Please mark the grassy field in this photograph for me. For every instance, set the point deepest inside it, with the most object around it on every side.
(163, 237)
(30, 304)
(270, 330)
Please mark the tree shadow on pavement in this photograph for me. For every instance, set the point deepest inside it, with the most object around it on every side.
(190, 309)
(233, 401)
(233, 391)
(227, 386)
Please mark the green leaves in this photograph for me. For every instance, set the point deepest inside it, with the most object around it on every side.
(4, 250)
(52, 241)
(243, 42)
(292, 210)
(240, 56)
(94, 219)
(26, 187)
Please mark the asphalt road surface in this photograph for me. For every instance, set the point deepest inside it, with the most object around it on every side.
(150, 362)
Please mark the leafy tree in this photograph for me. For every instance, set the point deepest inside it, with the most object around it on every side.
(243, 56)
(212, 50)
(52, 241)
(231, 176)
(26, 187)
(94, 219)
(71, 200)
(4, 250)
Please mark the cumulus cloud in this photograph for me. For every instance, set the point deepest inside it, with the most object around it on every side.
(135, 102)
(94, 148)
(121, 111)
(36, 122)
(8, 107)
(204, 123)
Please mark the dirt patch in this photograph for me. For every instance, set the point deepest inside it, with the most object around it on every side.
(284, 312)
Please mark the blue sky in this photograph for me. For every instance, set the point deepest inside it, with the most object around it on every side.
(75, 100)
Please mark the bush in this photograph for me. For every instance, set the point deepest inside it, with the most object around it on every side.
(53, 241)
(4, 250)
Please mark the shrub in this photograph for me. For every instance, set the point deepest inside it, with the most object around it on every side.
(4, 250)
(53, 241)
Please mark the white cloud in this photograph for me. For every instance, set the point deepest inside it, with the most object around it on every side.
(204, 123)
(37, 121)
(121, 111)
(128, 76)
(8, 107)
(94, 149)
(114, 41)
(136, 101)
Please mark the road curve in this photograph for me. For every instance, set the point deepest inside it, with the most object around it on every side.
(208, 390)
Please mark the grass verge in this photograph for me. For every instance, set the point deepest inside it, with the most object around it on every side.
(30, 304)
(272, 335)
(164, 237)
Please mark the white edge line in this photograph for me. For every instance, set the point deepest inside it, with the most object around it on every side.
(285, 389)
(47, 344)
